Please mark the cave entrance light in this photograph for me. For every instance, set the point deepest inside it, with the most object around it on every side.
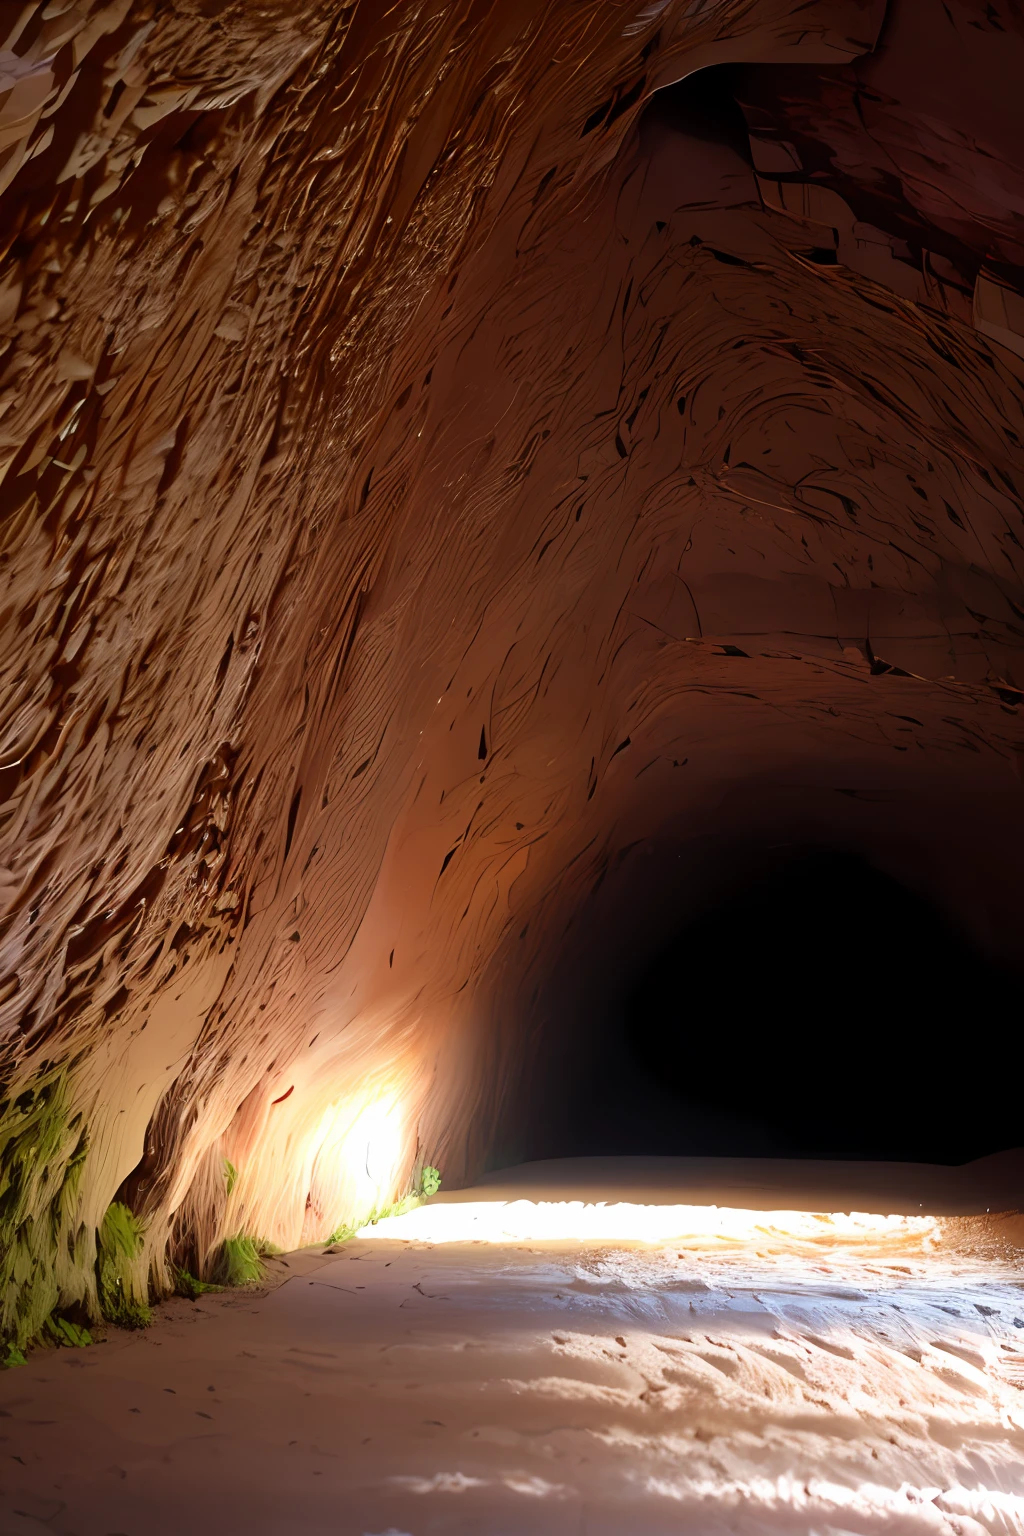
(708, 1226)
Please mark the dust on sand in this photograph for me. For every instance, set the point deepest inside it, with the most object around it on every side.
(754, 1372)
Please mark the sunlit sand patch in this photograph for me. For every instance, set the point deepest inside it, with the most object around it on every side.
(515, 1221)
(919, 1508)
(524, 1483)
(743, 1370)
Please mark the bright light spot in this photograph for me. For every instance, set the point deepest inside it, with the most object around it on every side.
(524, 1483)
(441, 1482)
(510, 1221)
(534, 1487)
(372, 1149)
(868, 1502)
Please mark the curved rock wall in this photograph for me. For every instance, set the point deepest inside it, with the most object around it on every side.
(422, 488)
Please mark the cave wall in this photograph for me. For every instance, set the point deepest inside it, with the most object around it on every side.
(920, 138)
(425, 481)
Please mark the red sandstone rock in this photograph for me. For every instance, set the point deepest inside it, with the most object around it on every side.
(420, 488)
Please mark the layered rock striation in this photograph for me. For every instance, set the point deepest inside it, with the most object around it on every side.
(446, 492)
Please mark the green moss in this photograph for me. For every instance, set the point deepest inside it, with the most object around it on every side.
(430, 1181)
(12, 1357)
(61, 1330)
(344, 1234)
(123, 1288)
(379, 1213)
(240, 1261)
(186, 1284)
(230, 1174)
(42, 1152)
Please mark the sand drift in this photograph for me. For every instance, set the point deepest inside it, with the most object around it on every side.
(556, 1366)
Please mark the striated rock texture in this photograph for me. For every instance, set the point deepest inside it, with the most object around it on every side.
(919, 138)
(449, 506)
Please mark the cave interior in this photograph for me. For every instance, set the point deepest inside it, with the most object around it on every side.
(512, 552)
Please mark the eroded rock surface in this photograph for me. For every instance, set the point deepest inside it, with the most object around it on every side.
(428, 483)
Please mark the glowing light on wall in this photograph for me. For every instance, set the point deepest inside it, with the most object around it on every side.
(372, 1151)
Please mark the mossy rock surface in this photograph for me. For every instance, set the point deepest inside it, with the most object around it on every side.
(240, 1261)
(186, 1284)
(379, 1213)
(123, 1288)
(62, 1331)
(42, 1153)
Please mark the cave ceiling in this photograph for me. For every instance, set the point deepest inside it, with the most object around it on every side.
(463, 464)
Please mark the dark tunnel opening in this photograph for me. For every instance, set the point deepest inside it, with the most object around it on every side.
(702, 106)
(819, 1009)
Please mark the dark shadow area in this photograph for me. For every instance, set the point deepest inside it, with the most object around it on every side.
(778, 995)
(823, 1011)
(919, 137)
(702, 106)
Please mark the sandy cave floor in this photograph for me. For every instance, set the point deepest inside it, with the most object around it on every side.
(756, 1373)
